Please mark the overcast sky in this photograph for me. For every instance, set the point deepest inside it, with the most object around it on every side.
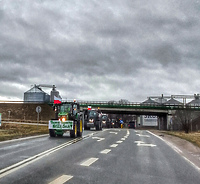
(100, 50)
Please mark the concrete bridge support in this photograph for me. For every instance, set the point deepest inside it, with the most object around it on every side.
(165, 122)
(169, 122)
(138, 122)
(162, 122)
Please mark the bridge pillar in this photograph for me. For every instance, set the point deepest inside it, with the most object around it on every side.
(169, 122)
(138, 121)
(162, 122)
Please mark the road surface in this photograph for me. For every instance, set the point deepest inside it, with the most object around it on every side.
(113, 156)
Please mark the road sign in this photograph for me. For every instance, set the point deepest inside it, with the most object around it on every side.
(38, 109)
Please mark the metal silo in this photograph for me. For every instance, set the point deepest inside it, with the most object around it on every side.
(36, 94)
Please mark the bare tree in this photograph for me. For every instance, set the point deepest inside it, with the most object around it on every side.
(184, 119)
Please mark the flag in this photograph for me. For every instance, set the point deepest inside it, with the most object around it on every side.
(57, 100)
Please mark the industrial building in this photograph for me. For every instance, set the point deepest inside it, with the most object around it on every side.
(36, 94)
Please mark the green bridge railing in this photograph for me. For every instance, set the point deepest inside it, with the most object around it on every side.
(133, 105)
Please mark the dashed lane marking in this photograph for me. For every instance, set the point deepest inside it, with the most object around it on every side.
(141, 143)
(119, 142)
(113, 145)
(106, 151)
(123, 139)
(89, 162)
(62, 179)
(114, 133)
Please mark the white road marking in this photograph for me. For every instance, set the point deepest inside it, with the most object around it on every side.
(88, 162)
(62, 179)
(170, 144)
(119, 142)
(113, 145)
(23, 163)
(141, 143)
(123, 139)
(142, 135)
(99, 138)
(147, 145)
(106, 151)
(113, 133)
(193, 164)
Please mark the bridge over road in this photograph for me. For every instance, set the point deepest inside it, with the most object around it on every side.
(164, 112)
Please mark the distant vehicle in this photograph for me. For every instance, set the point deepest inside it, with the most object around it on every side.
(105, 121)
(113, 123)
(92, 120)
(131, 124)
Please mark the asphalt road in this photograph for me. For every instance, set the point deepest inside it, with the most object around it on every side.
(113, 156)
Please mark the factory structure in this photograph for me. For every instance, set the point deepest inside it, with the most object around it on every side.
(173, 100)
(36, 94)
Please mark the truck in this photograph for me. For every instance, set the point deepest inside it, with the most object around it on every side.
(92, 119)
(67, 118)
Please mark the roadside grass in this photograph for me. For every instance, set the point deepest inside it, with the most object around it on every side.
(193, 137)
(13, 131)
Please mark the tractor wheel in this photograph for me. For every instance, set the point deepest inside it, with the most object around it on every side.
(73, 133)
(98, 126)
(52, 133)
(80, 129)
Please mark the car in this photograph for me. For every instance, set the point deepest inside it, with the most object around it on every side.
(131, 124)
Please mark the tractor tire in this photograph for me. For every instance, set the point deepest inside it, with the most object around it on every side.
(80, 129)
(52, 133)
(73, 133)
(79, 134)
(101, 126)
(98, 126)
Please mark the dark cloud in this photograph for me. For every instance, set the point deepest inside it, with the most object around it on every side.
(100, 50)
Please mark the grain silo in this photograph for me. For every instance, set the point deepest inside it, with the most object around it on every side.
(35, 94)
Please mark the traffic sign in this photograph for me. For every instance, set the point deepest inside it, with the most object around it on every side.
(38, 109)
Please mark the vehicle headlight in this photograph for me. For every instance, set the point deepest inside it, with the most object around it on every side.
(91, 120)
(63, 119)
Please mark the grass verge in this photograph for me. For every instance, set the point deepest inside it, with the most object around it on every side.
(13, 131)
(193, 137)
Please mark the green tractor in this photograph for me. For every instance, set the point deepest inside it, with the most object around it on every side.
(67, 118)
